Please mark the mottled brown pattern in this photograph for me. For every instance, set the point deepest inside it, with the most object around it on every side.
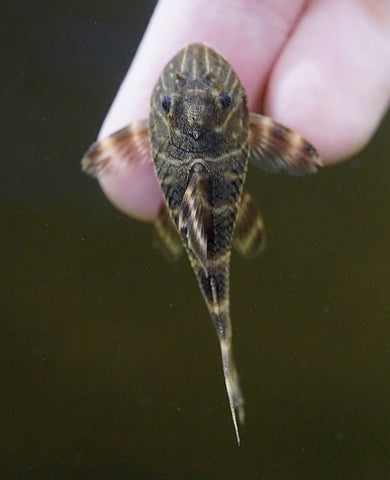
(200, 137)
(199, 117)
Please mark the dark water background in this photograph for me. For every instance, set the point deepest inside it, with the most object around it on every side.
(109, 365)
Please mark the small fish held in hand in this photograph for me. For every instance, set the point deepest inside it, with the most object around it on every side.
(200, 137)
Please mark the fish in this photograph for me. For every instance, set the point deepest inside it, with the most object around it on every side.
(201, 136)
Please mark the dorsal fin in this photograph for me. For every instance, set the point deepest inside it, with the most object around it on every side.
(195, 220)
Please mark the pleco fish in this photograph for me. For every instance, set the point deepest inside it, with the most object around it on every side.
(200, 136)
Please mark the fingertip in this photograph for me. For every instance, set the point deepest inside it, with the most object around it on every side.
(248, 33)
(134, 190)
(331, 81)
(303, 98)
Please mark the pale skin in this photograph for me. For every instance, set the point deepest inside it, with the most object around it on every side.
(321, 67)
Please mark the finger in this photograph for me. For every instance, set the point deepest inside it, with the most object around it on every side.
(248, 33)
(332, 81)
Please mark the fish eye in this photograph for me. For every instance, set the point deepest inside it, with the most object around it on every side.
(225, 98)
(166, 103)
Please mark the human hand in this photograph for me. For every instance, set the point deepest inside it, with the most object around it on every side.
(321, 68)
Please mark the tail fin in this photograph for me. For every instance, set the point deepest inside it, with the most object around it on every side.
(236, 400)
(214, 285)
(220, 314)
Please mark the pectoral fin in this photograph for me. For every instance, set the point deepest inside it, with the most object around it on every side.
(195, 219)
(249, 235)
(129, 145)
(167, 238)
(274, 147)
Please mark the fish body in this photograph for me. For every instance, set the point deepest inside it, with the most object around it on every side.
(200, 137)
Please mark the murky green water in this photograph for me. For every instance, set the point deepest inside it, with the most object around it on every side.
(110, 366)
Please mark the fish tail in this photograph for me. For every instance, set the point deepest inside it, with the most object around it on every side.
(220, 314)
(236, 400)
(214, 285)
